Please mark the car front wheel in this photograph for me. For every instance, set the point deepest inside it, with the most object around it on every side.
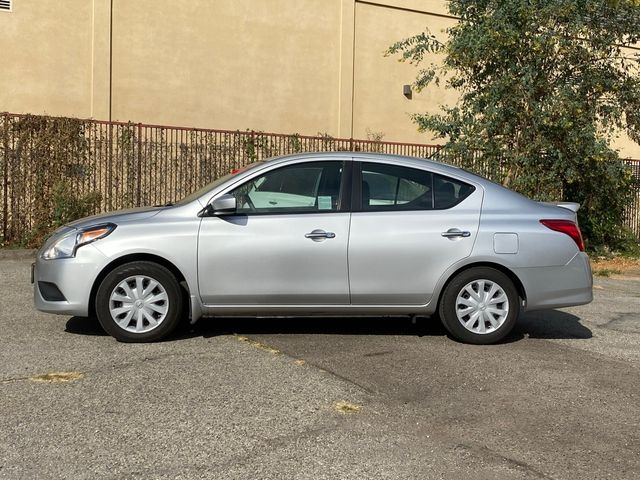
(139, 302)
(479, 306)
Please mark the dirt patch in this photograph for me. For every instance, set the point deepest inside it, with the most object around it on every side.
(57, 377)
(343, 406)
(259, 345)
(606, 267)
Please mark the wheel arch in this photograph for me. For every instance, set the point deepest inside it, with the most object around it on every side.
(135, 257)
(501, 268)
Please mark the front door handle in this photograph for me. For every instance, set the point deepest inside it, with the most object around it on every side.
(320, 234)
(456, 232)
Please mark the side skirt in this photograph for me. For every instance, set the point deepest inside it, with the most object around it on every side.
(314, 310)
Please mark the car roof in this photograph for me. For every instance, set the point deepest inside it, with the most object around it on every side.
(499, 196)
(406, 160)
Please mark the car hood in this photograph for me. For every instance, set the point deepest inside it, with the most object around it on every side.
(120, 216)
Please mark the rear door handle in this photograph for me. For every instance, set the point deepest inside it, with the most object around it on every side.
(456, 232)
(320, 234)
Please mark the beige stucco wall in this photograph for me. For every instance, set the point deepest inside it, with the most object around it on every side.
(46, 57)
(304, 66)
(231, 64)
(379, 103)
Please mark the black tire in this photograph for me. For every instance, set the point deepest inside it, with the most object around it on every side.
(448, 306)
(165, 279)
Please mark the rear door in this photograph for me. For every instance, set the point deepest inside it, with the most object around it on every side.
(408, 226)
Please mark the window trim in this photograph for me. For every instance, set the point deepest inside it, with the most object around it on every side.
(356, 198)
(344, 194)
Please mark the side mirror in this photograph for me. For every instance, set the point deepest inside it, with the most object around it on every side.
(223, 205)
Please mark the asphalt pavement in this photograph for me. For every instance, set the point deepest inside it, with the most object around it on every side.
(332, 398)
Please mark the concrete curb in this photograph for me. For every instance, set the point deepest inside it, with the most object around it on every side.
(17, 254)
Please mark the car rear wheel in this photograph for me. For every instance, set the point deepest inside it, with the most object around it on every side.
(139, 302)
(479, 306)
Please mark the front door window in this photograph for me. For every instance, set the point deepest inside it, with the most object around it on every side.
(312, 187)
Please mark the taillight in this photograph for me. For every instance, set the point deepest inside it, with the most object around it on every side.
(568, 228)
(236, 171)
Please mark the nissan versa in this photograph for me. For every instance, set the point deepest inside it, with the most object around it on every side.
(322, 234)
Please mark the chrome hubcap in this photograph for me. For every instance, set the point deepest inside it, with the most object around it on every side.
(138, 304)
(482, 306)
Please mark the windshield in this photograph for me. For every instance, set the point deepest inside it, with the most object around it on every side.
(217, 182)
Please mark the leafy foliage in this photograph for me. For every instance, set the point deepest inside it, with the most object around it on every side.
(69, 205)
(545, 86)
(44, 165)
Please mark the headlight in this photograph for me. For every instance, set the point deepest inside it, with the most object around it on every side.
(67, 244)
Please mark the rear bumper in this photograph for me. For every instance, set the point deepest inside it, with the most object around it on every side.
(73, 277)
(560, 286)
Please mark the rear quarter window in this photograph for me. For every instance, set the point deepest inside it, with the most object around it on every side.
(449, 192)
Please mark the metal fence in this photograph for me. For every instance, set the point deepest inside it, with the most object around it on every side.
(55, 169)
(632, 211)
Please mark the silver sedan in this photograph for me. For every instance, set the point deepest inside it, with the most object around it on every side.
(322, 234)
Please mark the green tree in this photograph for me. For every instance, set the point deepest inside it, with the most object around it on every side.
(545, 85)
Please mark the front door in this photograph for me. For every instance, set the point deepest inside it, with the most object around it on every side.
(287, 243)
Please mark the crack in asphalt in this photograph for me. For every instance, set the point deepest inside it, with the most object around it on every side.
(13, 379)
(622, 318)
(120, 366)
(252, 343)
(271, 349)
(485, 452)
(343, 378)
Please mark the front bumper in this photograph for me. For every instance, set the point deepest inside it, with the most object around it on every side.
(558, 286)
(73, 277)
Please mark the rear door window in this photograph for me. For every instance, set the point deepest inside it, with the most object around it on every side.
(391, 187)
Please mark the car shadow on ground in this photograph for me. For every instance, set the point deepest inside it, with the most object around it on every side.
(549, 324)
(84, 326)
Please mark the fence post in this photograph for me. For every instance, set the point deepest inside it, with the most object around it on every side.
(5, 180)
(253, 148)
(139, 173)
(109, 159)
